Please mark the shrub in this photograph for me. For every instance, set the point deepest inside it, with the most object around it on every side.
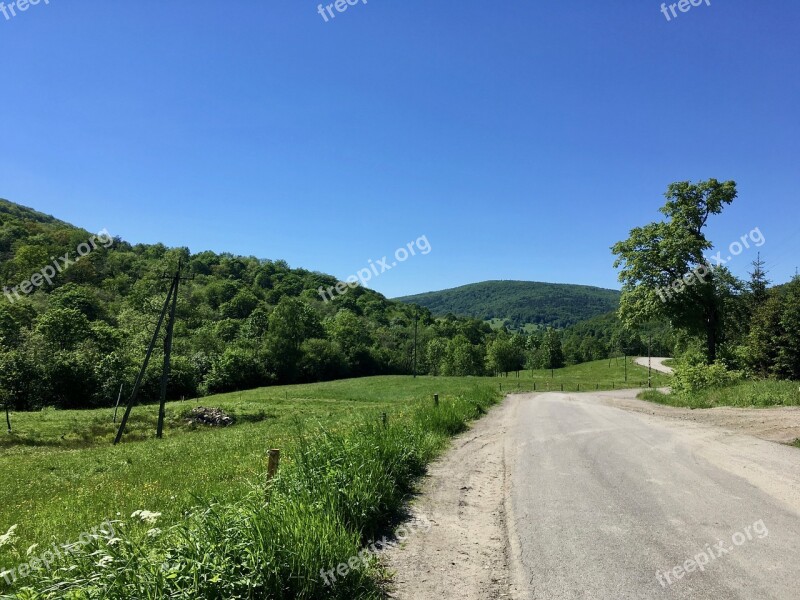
(692, 378)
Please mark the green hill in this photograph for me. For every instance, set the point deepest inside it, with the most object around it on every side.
(521, 303)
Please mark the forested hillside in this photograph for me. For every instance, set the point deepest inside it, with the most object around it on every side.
(521, 302)
(73, 330)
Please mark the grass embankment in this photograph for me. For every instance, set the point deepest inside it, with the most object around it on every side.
(595, 375)
(344, 476)
(744, 394)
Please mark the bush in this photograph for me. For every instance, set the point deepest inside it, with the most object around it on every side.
(692, 378)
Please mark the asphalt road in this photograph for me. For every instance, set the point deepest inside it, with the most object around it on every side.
(609, 504)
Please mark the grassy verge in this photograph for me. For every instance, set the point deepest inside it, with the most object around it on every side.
(595, 375)
(745, 394)
(343, 478)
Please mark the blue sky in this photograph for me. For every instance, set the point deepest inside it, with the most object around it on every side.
(522, 138)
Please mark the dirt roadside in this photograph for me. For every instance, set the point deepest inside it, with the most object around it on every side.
(466, 553)
(779, 424)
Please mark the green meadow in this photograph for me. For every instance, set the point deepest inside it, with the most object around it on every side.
(60, 475)
(585, 377)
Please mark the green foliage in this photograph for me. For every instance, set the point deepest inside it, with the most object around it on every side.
(520, 302)
(242, 323)
(550, 354)
(689, 379)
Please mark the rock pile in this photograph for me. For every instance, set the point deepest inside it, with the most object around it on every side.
(214, 417)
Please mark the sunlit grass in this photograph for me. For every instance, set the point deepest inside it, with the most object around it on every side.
(744, 394)
(60, 475)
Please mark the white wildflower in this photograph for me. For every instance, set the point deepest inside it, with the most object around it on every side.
(146, 516)
(8, 537)
(105, 561)
(154, 532)
(30, 550)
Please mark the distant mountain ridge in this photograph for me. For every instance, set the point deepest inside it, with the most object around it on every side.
(521, 302)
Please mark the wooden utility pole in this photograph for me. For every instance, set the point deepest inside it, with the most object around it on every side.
(170, 305)
(649, 361)
(416, 319)
(168, 352)
(142, 371)
(8, 419)
(119, 399)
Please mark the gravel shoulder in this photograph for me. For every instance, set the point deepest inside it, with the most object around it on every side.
(779, 424)
(466, 553)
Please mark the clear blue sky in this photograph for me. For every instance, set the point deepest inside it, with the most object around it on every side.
(522, 138)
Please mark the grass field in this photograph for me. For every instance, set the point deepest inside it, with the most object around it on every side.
(599, 374)
(745, 394)
(60, 475)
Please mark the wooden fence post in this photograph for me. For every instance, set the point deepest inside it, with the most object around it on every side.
(274, 462)
(436, 399)
(384, 419)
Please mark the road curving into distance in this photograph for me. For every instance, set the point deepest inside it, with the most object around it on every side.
(657, 364)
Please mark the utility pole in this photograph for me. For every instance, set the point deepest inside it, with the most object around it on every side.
(8, 419)
(142, 371)
(168, 351)
(416, 319)
(170, 305)
(625, 362)
(649, 361)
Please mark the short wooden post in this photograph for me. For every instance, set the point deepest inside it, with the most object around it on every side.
(562, 387)
(579, 387)
(501, 387)
(436, 399)
(274, 462)
(534, 386)
(384, 419)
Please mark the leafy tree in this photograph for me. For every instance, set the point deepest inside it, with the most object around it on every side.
(322, 360)
(462, 358)
(435, 352)
(550, 354)
(663, 269)
(290, 324)
(63, 328)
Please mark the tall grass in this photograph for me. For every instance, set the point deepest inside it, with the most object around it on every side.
(743, 394)
(335, 491)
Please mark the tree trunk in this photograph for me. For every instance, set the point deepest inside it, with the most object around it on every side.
(711, 335)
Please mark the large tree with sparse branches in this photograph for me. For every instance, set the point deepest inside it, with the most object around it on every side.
(663, 269)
